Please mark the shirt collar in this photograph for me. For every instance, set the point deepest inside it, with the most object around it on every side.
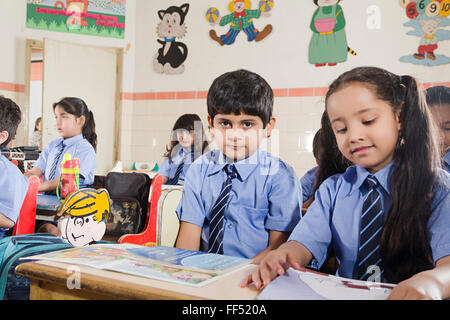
(70, 141)
(243, 167)
(357, 175)
(447, 158)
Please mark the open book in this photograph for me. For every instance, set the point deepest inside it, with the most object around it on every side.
(305, 284)
(188, 267)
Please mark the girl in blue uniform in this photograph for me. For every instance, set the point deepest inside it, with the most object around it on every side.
(188, 142)
(380, 124)
(75, 123)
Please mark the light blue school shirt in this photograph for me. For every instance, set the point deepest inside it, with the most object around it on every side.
(342, 197)
(79, 148)
(13, 188)
(169, 167)
(265, 196)
(308, 181)
(446, 161)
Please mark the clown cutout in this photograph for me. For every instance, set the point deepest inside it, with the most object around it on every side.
(241, 19)
(84, 213)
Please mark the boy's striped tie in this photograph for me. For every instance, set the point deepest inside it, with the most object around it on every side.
(217, 213)
(371, 226)
(52, 174)
(174, 180)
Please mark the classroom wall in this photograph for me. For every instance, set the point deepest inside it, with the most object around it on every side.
(151, 102)
(282, 59)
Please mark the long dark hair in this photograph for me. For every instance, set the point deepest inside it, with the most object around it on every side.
(405, 241)
(78, 108)
(188, 122)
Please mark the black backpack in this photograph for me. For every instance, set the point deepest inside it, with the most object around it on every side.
(129, 194)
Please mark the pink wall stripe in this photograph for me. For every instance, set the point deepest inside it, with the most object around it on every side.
(278, 93)
(180, 95)
(7, 86)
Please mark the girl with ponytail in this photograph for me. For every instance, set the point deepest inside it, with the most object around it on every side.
(389, 170)
(75, 123)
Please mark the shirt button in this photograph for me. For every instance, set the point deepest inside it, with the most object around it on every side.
(230, 225)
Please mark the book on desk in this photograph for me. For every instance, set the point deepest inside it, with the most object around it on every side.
(306, 284)
(193, 268)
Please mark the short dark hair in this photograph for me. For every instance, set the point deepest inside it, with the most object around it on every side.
(240, 91)
(10, 117)
(438, 96)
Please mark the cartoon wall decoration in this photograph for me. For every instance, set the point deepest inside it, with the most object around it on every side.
(172, 55)
(427, 18)
(241, 18)
(329, 41)
(104, 18)
(84, 213)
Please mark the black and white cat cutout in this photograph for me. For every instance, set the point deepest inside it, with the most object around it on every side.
(171, 56)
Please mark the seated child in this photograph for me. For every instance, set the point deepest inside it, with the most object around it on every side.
(13, 185)
(188, 142)
(438, 100)
(75, 123)
(386, 216)
(239, 200)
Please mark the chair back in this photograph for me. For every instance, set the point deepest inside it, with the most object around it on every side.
(27, 216)
(149, 233)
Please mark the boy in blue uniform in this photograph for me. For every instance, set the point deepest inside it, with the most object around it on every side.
(239, 200)
(13, 185)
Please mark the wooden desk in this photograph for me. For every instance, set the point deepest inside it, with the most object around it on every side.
(49, 282)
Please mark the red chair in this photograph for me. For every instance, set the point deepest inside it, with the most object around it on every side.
(27, 216)
(148, 234)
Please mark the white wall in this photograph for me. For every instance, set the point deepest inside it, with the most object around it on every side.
(281, 58)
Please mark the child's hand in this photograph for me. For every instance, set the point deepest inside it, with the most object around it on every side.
(274, 263)
(422, 286)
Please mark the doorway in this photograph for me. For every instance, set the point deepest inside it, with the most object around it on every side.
(87, 72)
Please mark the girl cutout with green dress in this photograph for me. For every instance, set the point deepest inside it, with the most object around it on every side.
(329, 42)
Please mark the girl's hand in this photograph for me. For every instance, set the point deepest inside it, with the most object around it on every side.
(422, 286)
(276, 263)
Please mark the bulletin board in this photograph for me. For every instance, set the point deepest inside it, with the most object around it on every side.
(102, 18)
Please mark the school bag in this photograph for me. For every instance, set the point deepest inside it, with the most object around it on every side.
(14, 286)
(129, 193)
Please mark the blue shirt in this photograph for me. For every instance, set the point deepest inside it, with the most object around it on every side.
(446, 161)
(308, 181)
(342, 197)
(79, 148)
(13, 188)
(169, 167)
(265, 196)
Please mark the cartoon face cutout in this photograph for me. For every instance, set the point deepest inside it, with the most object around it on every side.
(172, 22)
(430, 26)
(85, 212)
(326, 3)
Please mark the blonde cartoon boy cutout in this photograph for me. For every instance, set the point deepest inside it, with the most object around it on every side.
(84, 215)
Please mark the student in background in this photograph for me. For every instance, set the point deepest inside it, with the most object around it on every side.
(308, 181)
(387, 215)
(35, 139)
(187, 143)
(239, 200)
(13, 185)
(438, 99)
(75, 123)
